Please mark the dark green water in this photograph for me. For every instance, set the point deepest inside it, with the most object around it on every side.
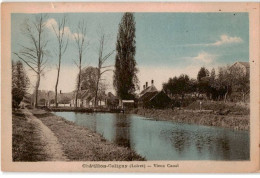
(164, 140)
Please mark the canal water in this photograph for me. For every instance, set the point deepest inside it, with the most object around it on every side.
(165, 140)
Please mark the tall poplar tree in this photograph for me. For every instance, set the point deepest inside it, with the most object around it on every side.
(125, 78)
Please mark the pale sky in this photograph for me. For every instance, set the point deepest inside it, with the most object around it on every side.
(167, 44)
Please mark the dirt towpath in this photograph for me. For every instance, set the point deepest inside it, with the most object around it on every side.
(81, 144)
(50, 143)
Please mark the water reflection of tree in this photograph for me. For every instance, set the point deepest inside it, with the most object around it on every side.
(206, 142)
(200, 143)
(203, 141)
(223, 147)
(180, 140)
(122, 135)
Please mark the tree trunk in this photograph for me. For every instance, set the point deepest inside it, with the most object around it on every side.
(77, 92)
(78, 87)
(96, 92)
(36, 89)
(57, 82)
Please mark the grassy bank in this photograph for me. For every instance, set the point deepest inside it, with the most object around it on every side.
(83, 110)
(232, 121)
(219, 107)
(26, 145)
(81, 144)
(68, 109)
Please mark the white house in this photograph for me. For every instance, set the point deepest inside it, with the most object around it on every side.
(86, 99)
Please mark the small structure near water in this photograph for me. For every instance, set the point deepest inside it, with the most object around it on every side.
(127, 104)
(150, 97)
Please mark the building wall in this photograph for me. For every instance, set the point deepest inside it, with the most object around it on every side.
(159, 100)
(73, 103)
(86, 103)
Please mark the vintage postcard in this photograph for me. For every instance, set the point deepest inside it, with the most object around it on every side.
(130, 87)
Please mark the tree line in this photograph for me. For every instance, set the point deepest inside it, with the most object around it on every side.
(35, 55)
(215, 86)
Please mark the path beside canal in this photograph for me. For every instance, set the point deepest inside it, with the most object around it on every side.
(50, 142)
(81, 144)
(34, 141)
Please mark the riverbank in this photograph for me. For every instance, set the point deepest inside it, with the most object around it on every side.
(82, 110)
(204, 117)
(32, 140)
(81, 144)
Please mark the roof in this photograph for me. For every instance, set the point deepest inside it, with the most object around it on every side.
(84, 94)
(62, 96)
(158, 93)
(147, 96)
(111, 96)
(65, 97)
(246, 64)
(151, 88)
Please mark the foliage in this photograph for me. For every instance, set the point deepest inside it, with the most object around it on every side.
(203, 80)
(89, 77)
(220, 86)
(125, 73)
(237, 81)
(179, 85)
(203, 72)
(20, 83)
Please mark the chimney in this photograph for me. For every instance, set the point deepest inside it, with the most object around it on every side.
(152, 82)
(146, 85)
(60, 91)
